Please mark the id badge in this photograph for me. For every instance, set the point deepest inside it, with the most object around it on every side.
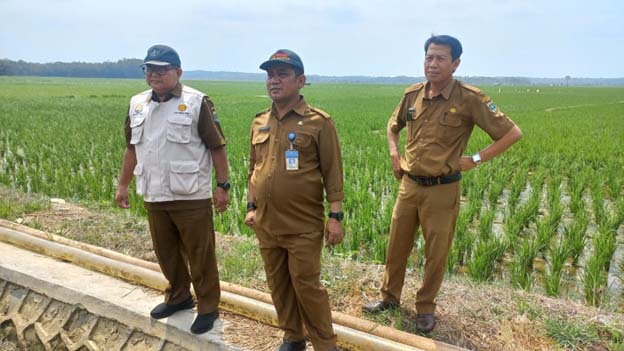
(292, 160)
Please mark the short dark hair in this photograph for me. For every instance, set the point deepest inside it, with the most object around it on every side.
(446, 40)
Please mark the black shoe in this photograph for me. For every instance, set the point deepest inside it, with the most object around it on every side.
(425, 322)
(379, 306)
(292, 346)
(204, 322)
(164, 310)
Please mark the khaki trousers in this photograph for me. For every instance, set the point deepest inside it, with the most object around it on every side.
(184, 237)
(293, 268)
(436, 209)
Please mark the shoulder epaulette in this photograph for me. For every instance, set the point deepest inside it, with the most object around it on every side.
(470, 87)
(263, 112)
(320, 112)
(414, 87)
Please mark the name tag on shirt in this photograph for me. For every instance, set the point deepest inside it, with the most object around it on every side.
(292, 160)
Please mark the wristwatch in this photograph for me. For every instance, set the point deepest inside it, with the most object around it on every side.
(225, 185)
(476, 158)
(251, 206)
(336, 215)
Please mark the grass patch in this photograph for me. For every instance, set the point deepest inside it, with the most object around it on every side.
(14, 205)
(570, 335)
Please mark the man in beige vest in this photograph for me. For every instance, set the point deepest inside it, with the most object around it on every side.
(439, 117)
(173, 139)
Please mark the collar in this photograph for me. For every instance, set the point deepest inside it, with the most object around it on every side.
(445, 93)
(175, 92)
(300, 108)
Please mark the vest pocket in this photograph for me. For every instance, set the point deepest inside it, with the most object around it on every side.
(179, 129)
(137, 130)
(140, 179)
(183, 177)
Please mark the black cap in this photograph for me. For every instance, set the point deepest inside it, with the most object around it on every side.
(283, 56)
(162, 55)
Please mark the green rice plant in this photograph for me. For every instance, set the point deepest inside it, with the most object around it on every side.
(480, 184)
(461, 242)
(522, 264)
(574, 236)
(610, 221)
(512, 227)
(552, 279)
(577, 204)
(517, 185)
(537, 180)
(604, 245)
(527, 212)
(553, 219)
(483, 263)
(484, 228)
(615, 183)
(595, 271)
(498, 181)
(594, 279)
(543, 234)
(495, 191)
(473, 210)
(598, 205)
(553, 192)
(576, 186)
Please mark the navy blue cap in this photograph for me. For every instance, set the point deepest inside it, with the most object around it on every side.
(283, 56)
(162, 55)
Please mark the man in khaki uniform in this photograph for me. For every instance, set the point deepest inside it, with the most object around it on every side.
(439, 116)
(173, 138)
(294, 156)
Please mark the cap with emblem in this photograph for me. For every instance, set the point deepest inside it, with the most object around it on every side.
(162, 55)
(283, 56)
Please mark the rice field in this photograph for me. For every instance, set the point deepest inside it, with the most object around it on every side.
(547, 215)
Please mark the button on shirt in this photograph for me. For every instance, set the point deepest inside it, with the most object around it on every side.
(438, 128)
(291, 201)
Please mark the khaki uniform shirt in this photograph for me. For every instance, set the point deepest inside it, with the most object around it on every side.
(291, 201)
(438, 128)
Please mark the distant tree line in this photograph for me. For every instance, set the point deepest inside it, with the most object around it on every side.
(124, 68)
(130, 68)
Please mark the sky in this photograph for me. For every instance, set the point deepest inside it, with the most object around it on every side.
(534, 38)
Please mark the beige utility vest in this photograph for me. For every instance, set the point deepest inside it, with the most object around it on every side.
(172, 161)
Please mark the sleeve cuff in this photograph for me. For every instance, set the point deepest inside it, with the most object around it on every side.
(337, 196)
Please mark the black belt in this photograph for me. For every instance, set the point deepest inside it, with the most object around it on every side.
(429, 181)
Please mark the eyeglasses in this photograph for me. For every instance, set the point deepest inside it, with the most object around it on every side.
(157, 70)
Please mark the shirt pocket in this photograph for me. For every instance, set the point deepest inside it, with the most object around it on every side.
(137, 130)
(261, 146)
(183, 177)
(306, 145)
(140, 179)
(452, 127)
(302, 141)
(179, 129)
